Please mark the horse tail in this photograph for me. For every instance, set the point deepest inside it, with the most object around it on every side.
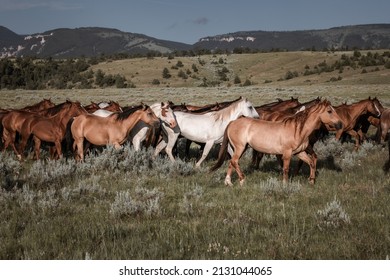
(69, 137)
(222, 151)
(150, 136)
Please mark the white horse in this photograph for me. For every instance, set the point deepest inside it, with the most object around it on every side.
(164, 112)
(102, 113)
(205, 128)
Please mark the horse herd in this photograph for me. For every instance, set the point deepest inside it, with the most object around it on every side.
(283, 128)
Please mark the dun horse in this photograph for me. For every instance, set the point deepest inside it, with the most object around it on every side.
(112, 130)
(287, 138)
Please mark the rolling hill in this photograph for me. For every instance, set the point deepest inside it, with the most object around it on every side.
(94, 41)
(371, 36)
(88, 41)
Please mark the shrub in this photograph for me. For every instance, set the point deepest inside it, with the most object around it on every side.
(155, 82)
(146, 202)
(165, 73)
(182, 75)
(332, 216)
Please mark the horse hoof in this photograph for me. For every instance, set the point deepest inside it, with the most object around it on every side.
(242, 182)
(19, 157)
(311, 181)
(228, 182)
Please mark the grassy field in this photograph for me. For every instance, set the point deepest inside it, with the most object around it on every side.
(125, 205)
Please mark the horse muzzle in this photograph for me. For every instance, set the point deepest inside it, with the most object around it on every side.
(338, 125)
(172, 124)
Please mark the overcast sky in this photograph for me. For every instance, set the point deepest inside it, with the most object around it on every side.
(189, 20)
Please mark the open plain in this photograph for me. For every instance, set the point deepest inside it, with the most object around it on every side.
(122, 204)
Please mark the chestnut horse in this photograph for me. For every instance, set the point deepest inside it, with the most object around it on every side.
(42, 105)
(49, 129)
(279, 115)
(11, 122)
(287, 138)
(279, 105)
(350, 114)
(113, 129)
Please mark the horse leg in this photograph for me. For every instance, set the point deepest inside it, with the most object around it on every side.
(384, 128)
(58, 148)
(306, 158)
(172, 140)
(310, 151)
(234, 164)
(22, 145)
(78, 147)
(228, 178)
(206, 151)
(256, 158)
(286, 165)
(354, 134)
(9, 139)
(37, 147)
(160, 146)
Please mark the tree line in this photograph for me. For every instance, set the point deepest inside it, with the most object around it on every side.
(33, 74)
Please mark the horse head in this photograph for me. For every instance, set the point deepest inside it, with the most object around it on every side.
(329, 116)
(372, 106)
(48, 103)
(148, 116)
(247, 108)
(166, 114)
(378, 105)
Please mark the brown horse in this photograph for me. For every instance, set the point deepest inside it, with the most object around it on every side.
(90, 108)
(287, 138)
(279, 105)
(350, 114)
(49, 129)
(279, 115)
(287, 110)
(11, 122)
(44, 104)
(113, 129)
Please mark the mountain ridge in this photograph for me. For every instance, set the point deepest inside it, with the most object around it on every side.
(95, 41)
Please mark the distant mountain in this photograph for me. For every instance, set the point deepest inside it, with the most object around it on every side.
(94, 41)
(370, 36)
(89, 41)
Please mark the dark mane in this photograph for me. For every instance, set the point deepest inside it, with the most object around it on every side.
(120, 116)
(57, 108)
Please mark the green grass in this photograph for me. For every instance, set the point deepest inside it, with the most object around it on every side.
(104, 209)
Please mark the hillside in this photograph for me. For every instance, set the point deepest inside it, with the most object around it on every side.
(370, 36)
(258, 69)
(89, 41)
(95, 41)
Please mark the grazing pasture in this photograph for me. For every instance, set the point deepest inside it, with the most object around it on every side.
(124, 204)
